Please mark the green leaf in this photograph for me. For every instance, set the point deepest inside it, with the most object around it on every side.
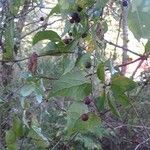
(83, 60)
(147, 47)
(100, 102)
(46, 35)
(17, 127)
(72, 84)
(87, 126)
(69, 65)
(64, 4)
(27, 89)
(9, 40)
(101, 72)
(15, 5)
(55, 10)
(138, 19)
(101, 3)
(38, 138)
(119, 86)
(12, 146)
(10, 137)
(123, 84)
(74, 112)
(112, 108)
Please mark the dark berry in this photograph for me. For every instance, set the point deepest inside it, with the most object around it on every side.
(70, 33)
(84, 35)
(74, 15)
(71, 20)
(88, 65)
(124, 3)
(67, 40)
(79, 9)
(77, 20)
(87, 101)
(42, 19)
(84, 117)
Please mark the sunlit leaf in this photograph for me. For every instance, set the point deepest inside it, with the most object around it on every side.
(46, 35)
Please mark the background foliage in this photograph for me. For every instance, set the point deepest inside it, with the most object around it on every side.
(65, 77)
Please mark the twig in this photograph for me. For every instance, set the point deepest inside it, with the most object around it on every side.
(126, 49)
(141, 143)
(39, 28)
(23, 59)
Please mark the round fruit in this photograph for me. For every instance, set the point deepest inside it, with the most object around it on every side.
(67, 40)
(71, 20)
(70, 33)
(74, 15)
(79, 9)
(84, 117)
(42, 19)
(78, 20)
(124, 3)
(88, 65)
(84, 35)
(87, 101)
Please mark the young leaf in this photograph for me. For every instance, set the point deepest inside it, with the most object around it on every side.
(10, 137)
(17, 127)
(46, 35)
(147, 47)
(101, 72)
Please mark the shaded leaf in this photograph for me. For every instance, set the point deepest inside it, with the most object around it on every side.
(10, 137)
(101, 72)
(112, 108)
(17, 127)
(100, 102)
(87, 126)
(119, 86)
(27, 89)
(72, 84)
(138, 19)
(38, 138)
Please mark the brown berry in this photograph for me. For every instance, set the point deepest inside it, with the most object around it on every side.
(84, 117)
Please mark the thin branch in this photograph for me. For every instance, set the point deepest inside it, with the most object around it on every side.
(39, 28)
(23, 59)
(138, 146)
(126, 49)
